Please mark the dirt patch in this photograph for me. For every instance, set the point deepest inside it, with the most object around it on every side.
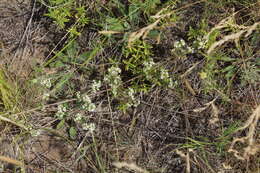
(23, 39)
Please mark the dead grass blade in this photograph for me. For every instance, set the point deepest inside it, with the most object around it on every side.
(252, 147)
(186, 157)
(248, 30)
(131, 166)
(215, 112)
(205, 107)
(12, 161)
(110, 32)
(142, 33)
(189, 87)
(12, 122)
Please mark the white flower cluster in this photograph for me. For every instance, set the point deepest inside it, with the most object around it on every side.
(113, 79)
(164, 76)
(35, 133)
(89, 127)
(200, 42)
(78, 118)
(148, 66)
(96, 86)
(179, 44)
(183, 47)
(133, 101)
(45, 96)
(87, 104)
(85, 125)
(62, 109)
(46, 82)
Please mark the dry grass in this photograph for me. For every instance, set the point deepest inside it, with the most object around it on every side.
(251, 138)
(234, 36)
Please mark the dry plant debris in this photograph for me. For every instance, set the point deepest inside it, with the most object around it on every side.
(234, 36)
(253, 146)
(130, 166)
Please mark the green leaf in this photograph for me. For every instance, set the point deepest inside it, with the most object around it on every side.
(88, 56)
(61, 124)
(228, 68)
(154, 34)
(65, 78)
(134, 14)
(72, 132)
(57, 64)
(226, 58)
(114, 24)
(212, 37)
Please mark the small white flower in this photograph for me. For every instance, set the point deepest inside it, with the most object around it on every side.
(182, 43)
(96, 86)
(89, 127)
(131, 93)
(133, 101)
(61, 108)
(46, 82)
(35, 133)
(87, 103)
(164, 74)
(179, 44)
(114, 90)
(113, 79)
(171, 84)
(114, 70)
(148, 65)
(190, 49)
(61, 111)
(116, 81)
(60, 115)
(86, 99)
(106, 78)
(136, 102)
(201, 42)
(89, 107)
(78, 96)
(46, 96)
(78, 117)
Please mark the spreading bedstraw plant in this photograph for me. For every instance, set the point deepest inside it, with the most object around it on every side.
(139, 62)
(136, 72)
(67, 14)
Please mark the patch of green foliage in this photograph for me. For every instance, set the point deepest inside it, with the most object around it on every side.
(67, 14)
(220, 143)
(136, 62)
